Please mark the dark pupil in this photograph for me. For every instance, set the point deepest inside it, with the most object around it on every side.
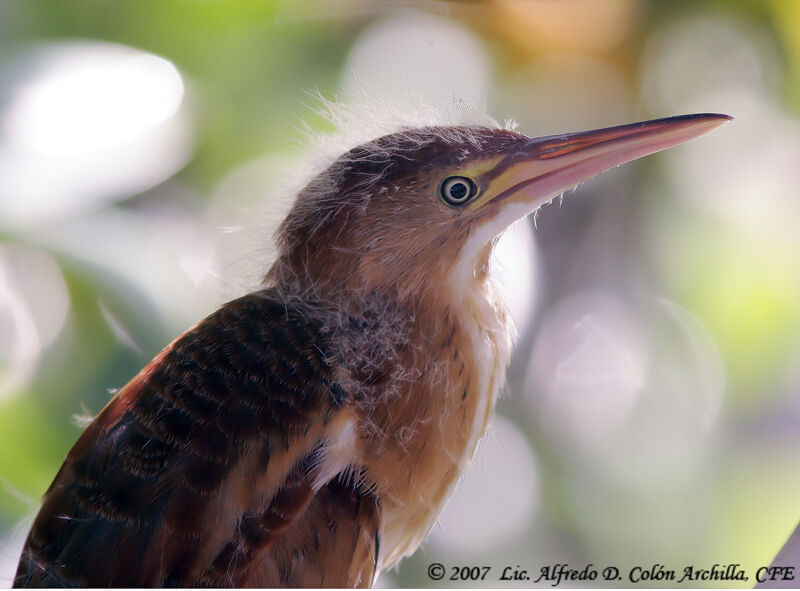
(458, 191)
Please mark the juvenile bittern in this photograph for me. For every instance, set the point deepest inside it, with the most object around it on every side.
(309, 434)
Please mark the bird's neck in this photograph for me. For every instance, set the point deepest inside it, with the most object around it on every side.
(375, 323)
(428, 427)
(422, 369)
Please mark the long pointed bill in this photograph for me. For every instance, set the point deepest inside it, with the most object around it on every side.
(549, 166)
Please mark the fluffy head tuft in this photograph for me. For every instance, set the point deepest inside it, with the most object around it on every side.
(359, 120)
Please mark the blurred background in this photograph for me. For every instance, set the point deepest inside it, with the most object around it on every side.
(652, 413)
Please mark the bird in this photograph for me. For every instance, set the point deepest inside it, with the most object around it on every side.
(310, 432)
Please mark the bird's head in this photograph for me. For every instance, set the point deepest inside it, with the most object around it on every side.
(411, 211)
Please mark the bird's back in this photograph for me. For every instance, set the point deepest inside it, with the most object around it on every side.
(202, 470)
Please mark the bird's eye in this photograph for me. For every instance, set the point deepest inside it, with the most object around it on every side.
(457, 190)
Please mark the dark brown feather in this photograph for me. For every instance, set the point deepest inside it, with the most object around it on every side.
(178, 480)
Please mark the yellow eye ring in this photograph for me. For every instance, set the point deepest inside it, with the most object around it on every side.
(457, 190)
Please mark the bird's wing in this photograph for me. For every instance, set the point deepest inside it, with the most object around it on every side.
(210, 468)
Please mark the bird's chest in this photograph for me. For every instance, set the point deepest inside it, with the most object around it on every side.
(436, 421)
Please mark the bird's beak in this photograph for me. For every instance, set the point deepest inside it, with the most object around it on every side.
(548, 166)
